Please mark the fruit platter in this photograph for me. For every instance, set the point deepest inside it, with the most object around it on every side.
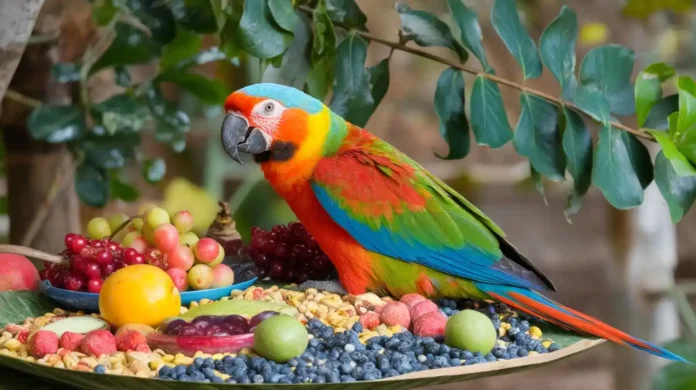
(144, 302)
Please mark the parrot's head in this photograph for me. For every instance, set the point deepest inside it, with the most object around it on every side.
(274, 123)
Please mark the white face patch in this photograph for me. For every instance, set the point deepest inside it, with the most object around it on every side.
(266, 115)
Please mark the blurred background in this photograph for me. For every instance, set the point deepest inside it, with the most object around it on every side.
(606, 263)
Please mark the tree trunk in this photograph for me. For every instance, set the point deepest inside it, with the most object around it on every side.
(43, 205)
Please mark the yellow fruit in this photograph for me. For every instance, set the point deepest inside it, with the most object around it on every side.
(142, 294)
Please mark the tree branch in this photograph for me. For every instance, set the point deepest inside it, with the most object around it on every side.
(477, 72)
(496, 79)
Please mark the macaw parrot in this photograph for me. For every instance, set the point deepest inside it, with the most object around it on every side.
(386, 223)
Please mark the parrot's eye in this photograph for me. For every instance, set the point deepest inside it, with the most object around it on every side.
(268, 108)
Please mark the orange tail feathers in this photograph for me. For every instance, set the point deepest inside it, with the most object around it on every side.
(538, 305)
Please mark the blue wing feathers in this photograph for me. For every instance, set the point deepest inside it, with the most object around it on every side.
(466, 262)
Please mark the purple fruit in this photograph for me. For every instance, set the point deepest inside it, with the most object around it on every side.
(257, 319)
(174, 326)
(187, 330)
(206, 321)
(216, 330)
(236, 324)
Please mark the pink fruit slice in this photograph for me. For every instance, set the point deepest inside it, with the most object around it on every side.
(188, 345)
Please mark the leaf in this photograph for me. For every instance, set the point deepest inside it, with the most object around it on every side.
(121, 113)
(488, 117)
(379, 79)
(614, 172)
(608, 69)
(660, 111)
(679, 191)
(208, 55)
(207, 90)
(131, 46)
(319, 78)
(296, 62)
(170, 123)
(648, 89)
(109, 152)
(157, 17)
(92, 185)
(684, 136)
(538, 138)
(324, 44)
(449, 106)
(17, 306)
(427, 30)
(186, 44)
(352, 97)
(66, 379)
(258, 33)
(677, 375)
(56, 124)
(123, 191)
(507, 24)
(283, 14)
(346, 12)
(470, 31)
(538, 181)
(680, 164)
(640, 158)
(592, 102)
(229, 38)
(65, 72)
(154, 170)
(104, 11)
(557, 47)
(194, 15)
(122, 76)
(577, 145)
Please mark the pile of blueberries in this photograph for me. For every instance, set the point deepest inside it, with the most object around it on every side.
(340, 357)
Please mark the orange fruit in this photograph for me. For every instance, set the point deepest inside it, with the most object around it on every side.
(142, 294)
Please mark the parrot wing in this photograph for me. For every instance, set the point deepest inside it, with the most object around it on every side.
(392, 206)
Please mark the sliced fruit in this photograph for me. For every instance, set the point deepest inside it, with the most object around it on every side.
(189, 345)
(81, 324)
(239, 307)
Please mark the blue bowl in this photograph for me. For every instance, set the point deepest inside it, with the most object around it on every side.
(89, 302)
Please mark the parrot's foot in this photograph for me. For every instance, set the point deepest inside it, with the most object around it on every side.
(332, 286)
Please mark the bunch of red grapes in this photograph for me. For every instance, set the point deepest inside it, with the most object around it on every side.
(91, 261)
(289, 254)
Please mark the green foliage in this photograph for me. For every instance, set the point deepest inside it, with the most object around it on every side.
(678, 376)
(488, 117)
(321, 46)
(449, 106)
(608, 70)
(507, 24)
(557, 48)
(470, 31)
(621, 168)
(426, 29)
(577, 145)
(538, 138)
(57, 124)
(352, 93)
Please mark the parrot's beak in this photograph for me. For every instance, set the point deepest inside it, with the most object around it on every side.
(238, 136)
